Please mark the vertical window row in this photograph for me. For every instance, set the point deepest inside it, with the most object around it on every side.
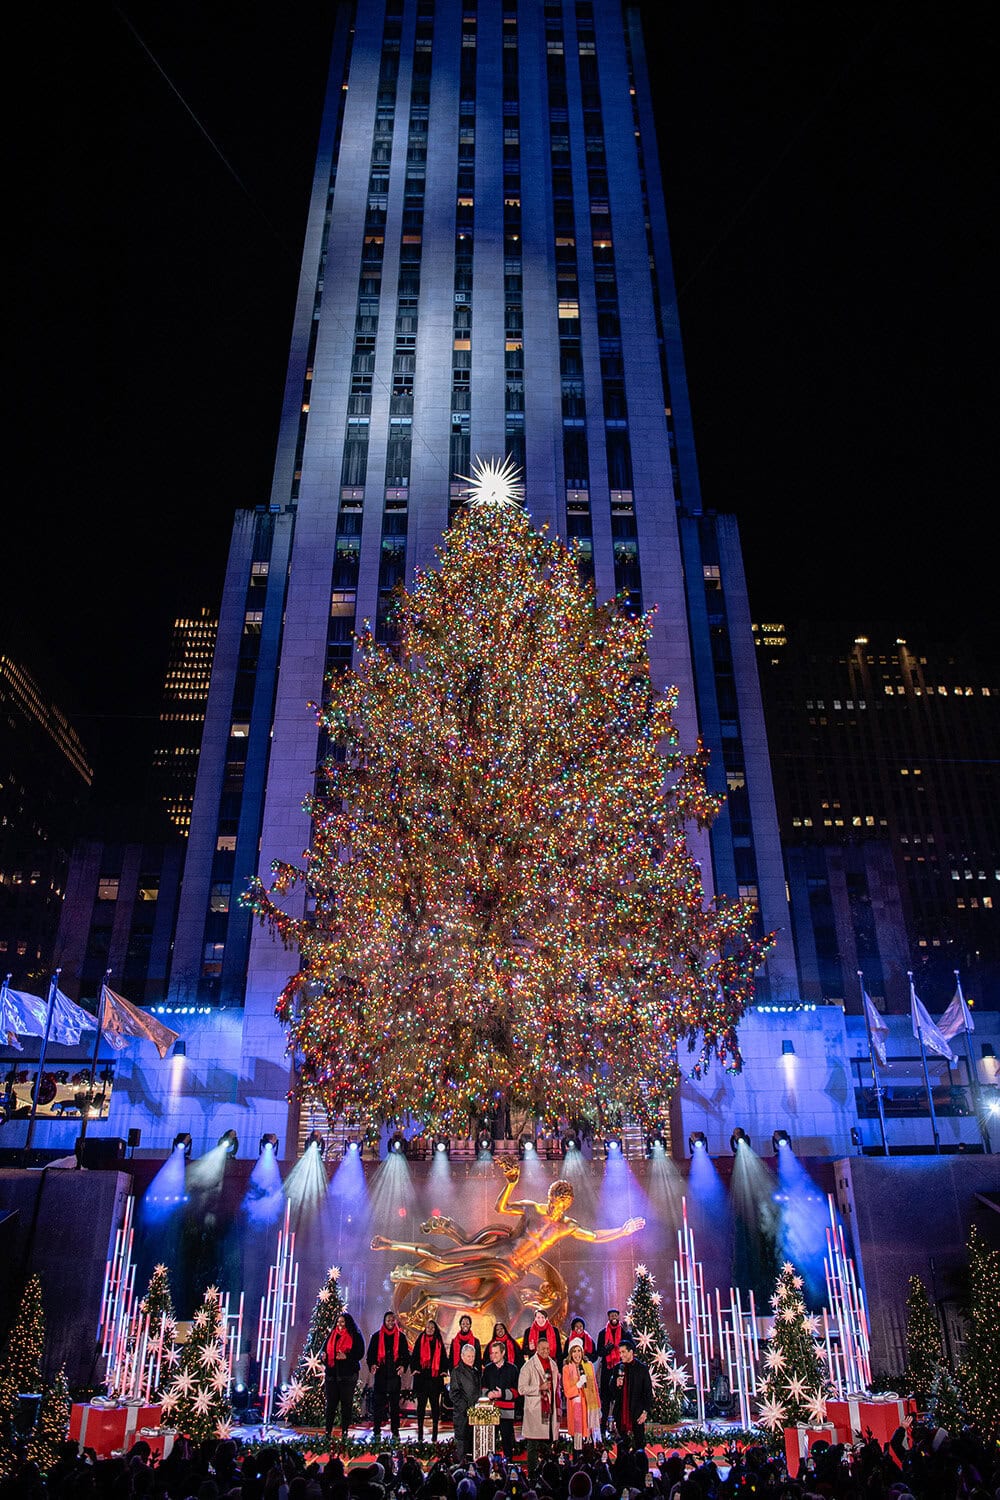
(512, 244)
(392, 557)
(576, 458)
(628, 583)
(654, 279)
(300, 439)
(459, 457)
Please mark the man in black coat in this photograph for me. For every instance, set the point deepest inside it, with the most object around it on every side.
(608, 1351)
(465, 1387)
(633, 1398)
(388, 1356)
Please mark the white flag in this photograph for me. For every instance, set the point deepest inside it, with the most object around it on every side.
(121, 1021)
(877, 1026)
(10, 1019)
(69, 1021)
(24, 1013)
(925, 1030)
(958, 1016)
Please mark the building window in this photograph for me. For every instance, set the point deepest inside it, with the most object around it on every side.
(107, 888)
(219, 900)
(226, 841)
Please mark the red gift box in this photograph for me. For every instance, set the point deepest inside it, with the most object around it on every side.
(859, 1415)
(160, 1443)
(800, 1441)
(107, 1429)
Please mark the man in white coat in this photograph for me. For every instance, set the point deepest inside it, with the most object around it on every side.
(538, 1383)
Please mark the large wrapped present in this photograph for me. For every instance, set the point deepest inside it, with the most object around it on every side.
(860, 1414)
(161, 1440)
(800, 1441)
(109, 1427)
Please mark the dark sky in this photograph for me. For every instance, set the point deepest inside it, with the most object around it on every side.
(826, 172)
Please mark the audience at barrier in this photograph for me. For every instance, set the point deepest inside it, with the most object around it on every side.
(927, 1465)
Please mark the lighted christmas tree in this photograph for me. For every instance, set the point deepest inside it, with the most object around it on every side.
(979, 1375)
(794, 1383)
(924, 1351)
(304, 1402)
(20, 1366)
(945, 1406)
(499, 870)
(196, 1400)
(53, 1424)
(653, 1345)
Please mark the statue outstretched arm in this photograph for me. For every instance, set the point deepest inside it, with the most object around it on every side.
(512, 1173)
(446, 1227)
(605, 1236)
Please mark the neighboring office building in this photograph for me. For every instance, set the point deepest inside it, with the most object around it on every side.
(887, 782)
(45, 777)
(182, 715)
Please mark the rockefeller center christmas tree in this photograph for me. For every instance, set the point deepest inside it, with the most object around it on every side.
(196, 1395)
(499, 869)
(924, 1352)
(20, 1366)
(669, 1379)
(304, 1403)
(794, 1381)
(979, 1376)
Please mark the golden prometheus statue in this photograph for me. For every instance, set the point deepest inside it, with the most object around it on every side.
(498, 1273)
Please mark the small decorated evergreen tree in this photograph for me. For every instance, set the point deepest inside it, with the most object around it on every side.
(944, 1402)
(20, 1366)
(924, 1351)
(304, 1402)
(979, 1376)
(794, 1382)
(53, 1424)
(653, 1345)
(196, 1400)
(158, 1304)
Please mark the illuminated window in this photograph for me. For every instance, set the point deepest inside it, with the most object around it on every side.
(107, 888)
(226, 841)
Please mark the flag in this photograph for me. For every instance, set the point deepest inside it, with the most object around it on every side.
(69, 1021)
(877, 1028)
(121, 1020)
(23, 1015)
(958, 1016)
(924, 1029)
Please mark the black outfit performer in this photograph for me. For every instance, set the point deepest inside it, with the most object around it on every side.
(609, 1353)
(429, 1363)
(502, 1377)
(465, 1390)
(345, 1349)
(632, 1401)
(465, 1336)
(388, 1357)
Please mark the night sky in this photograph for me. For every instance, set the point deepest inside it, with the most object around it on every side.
(827, 182)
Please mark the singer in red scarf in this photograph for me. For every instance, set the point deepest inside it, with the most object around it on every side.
(388, 1356)
(465, 1336)
(609, 1353)
(540, 1328)
(343, 1354)
(512, 1349)
(429, 1363)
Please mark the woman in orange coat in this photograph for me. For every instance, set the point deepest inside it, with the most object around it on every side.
(583, 1401)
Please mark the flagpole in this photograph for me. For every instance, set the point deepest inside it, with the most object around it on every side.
(923, 1059)
(93, 1060)
(53, 986)
(871, 1054)
(977, 1098)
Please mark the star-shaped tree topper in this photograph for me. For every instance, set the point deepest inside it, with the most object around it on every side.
(494, 484)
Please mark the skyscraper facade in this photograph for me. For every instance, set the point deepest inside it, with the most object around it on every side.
(486, 271)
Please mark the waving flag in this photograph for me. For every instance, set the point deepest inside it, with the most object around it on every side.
(924, 1029)
(121, 1021)
(958, 1016)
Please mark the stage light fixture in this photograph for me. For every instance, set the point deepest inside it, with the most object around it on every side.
(351, 1144)
(738, 1138)
(787, 1047)
(183, 1142)
(397, 1143)
(231, 1141)
(855, 1137)
(697, 1140)
(612, 1145)
(268, 1141)
(526, 1146)
(484, 1145)
(442, 1145)
(314, 1140)
(656, 1140)
(781, 1138)
(571, 1142)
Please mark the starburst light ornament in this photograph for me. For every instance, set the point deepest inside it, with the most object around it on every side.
(494, 484)
(796, 1388)
(314, 1366)
(203, 1403)
(816, 1408)
(772, 1415)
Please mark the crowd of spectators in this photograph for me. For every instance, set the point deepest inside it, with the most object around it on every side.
(921, 1465)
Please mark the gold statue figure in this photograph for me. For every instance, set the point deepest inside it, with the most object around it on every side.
(482, 1274)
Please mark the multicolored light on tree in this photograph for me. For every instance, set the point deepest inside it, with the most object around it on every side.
(502, 898)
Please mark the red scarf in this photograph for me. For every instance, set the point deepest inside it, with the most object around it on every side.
(587, 1341)
(626, 1414)
(546, 1331)
(381, 1345)
(545, 1393)
(456, 1348)
(612, 1338)
(339, 1342)
(430, 1354)
(510, 1347)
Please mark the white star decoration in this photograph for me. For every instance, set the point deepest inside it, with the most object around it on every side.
(774, 1360)
(645, 1342)
(168, 1400)
(787, 1269)
(333, 1274)
(494, 484)
(797, 1283)
(816, 1408)
(209, 1356)
(203, 1403)
(172, 1357)
(184, 1384)
(656, 1298)
(224, 1429)
(313, 1366)
(323, 1295)
(660, 1358)
(291, 1398)
(796, 1388)
(772, 1414)
(678, 1376)
(811, 1324)
(641, 1270)
(220, 1380)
